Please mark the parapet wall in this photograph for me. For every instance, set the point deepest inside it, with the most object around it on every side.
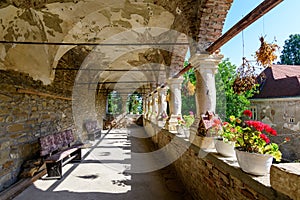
(207, 175)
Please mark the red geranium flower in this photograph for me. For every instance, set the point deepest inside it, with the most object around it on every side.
(273, 132)
(268, 128)
(247, 113)
(265, 138)
(225, 123)
(217, 121)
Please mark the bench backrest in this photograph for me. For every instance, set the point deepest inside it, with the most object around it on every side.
(91, 126)
(53, 142)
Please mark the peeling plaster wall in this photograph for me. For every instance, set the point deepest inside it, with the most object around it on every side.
(26, 117)
(283, 115)
(75, 21)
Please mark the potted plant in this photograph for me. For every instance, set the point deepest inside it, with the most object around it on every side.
(185, 123)
(226, 140)
(254, 150)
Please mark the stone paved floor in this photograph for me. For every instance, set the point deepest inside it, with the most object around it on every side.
(105, 173)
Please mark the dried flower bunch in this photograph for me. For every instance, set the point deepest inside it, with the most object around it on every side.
(245, 79)
(265, 55)
(190, 88)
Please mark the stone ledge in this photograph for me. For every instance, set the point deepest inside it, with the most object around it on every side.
(285, 178)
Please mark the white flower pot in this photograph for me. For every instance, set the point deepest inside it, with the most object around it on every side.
(254, 163)
(182, 130)
(225, 149)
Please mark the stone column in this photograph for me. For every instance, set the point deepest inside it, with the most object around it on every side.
(206, 65)
(149, 107)
(145, 106)
(102, 108)
(175, 102)
(124, 101)
(155, 107)
(162, 106)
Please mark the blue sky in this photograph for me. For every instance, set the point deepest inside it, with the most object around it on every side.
(278, 23)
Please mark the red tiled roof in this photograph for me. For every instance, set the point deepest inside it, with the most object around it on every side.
(286, 71)
(280, 81)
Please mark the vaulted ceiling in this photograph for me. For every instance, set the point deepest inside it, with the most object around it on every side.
(44, 24)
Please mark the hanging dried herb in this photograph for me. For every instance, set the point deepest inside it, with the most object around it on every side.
(245, 79)
(190, 88)
(265, 55)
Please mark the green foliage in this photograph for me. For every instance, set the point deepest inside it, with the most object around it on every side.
(189, 75)
(188, 102)
(290, 54)
(189, 119)
(114, 103)
(228, 102)
(135, 104)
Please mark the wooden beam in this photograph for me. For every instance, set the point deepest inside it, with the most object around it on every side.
(21, 185)
(184, 70)
(24, 91)
(254, 15)
(180, 73)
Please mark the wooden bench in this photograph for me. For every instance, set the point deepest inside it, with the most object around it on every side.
(93, 131)
(57, 150)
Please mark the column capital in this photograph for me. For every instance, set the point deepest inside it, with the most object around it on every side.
(162, 90)
(174, 81)
(202, 62)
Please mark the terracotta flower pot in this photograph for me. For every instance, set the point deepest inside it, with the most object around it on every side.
(254, 163)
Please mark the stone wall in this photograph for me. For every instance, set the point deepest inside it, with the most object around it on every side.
(209, 176)
(26, 117)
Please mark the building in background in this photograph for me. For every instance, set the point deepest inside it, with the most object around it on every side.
(278, 104)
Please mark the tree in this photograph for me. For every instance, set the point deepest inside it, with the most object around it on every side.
(135, 104)
(188, 99)
(114, 103)
(228, 102)
(290, 54)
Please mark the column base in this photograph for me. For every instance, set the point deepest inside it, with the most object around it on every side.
(172, 123)
(153, 119)
(204, 142)
(161, 123)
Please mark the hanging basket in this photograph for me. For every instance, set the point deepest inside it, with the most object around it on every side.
(246, 79)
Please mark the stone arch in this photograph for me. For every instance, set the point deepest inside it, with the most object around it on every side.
(178, 55)
(97, 32)
(211, 15)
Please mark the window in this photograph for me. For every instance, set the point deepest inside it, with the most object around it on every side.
(292, 120)
(254, 112)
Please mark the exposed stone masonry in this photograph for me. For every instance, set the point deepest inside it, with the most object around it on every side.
(206, 176)
(24, 118)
